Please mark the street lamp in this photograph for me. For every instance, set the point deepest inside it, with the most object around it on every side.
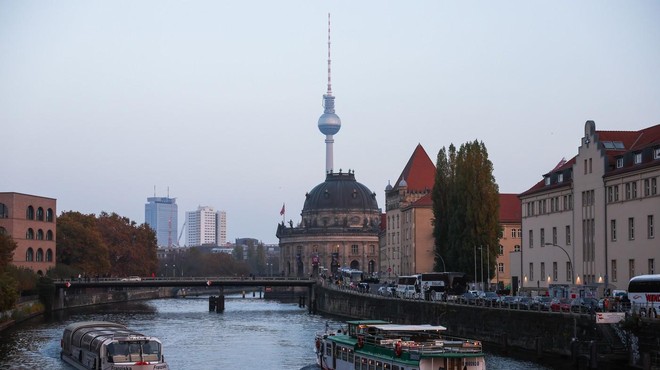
(173, 270)
(570, 262)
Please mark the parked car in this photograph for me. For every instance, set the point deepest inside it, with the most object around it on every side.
(560, 305)
(523, 303)
(387, 290)
(540, 303)
(507, 301)
(467, 298)
(488, 299)
(584, 305)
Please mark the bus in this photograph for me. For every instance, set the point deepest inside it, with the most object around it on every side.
(431, 284)
(348, 276)
(644, 295)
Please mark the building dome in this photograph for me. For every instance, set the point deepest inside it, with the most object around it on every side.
(329, 123)
(340, 191)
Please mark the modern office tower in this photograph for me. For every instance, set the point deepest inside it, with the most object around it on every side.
(206, 226)
(160, 213)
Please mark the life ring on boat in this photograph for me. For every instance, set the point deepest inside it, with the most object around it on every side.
(397, 349)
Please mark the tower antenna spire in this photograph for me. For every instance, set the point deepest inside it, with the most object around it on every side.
(329, 60)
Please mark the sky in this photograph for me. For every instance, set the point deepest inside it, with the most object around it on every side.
(216, 103)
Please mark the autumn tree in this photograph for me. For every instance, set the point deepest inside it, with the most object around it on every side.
(466, 209)
(80, 245)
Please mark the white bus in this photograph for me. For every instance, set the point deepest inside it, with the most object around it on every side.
(405, 286)
(644, 295)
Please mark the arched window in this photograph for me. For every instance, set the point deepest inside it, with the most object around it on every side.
(49, 235)
(40, 234)
(40, 214)
(29, 255)
(29, 234)
(4, 211)
(49, 215)
(49, 255)
(29, 213)
(40, 255)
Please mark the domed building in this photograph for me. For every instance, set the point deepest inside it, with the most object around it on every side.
(339, 228)
(340, 218)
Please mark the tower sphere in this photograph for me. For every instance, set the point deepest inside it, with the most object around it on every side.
(329, 123)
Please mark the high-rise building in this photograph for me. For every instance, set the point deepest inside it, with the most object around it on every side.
(206, 226)
(160, 213)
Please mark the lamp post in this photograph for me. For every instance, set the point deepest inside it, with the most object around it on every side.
(444, 268)
(570, 262)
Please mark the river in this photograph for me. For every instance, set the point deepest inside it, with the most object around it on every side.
(252, 333)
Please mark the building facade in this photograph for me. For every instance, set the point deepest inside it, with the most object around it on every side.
(206, 226)
(510, 239)
(589, 225)
(161, 214)
(409, 243)
(31, 221)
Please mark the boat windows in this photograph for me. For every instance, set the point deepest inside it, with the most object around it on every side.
(357, 362)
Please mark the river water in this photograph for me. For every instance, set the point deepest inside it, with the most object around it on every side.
(252, 333)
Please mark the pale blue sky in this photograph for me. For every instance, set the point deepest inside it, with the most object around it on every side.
(219, 100)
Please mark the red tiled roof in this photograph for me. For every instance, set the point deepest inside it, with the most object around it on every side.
(425, 201)
(419, 172)
(510, 208)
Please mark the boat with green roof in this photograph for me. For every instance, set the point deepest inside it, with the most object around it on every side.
(379, 345)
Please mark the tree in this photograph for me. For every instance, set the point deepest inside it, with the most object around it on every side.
(80, 245)
(466, 209)
(7, 247)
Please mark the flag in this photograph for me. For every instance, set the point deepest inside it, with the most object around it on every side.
(282, 210)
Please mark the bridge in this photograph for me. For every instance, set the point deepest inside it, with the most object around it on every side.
(159, 282)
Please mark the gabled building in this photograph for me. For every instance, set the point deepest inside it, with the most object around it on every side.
(589, 224)
(409, 232)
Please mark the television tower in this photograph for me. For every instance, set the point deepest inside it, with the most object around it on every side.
(329, 122)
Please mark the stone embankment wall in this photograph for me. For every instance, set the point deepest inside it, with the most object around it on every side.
(540, 332)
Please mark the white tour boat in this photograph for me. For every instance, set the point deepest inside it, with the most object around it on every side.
(378, 345)
(100, 345)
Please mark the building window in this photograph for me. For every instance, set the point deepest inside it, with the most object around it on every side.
(616, 193)
(568, 235)
(531, 271)
(354, 249)
(547, 180)
(634, 190)
(40, 234)
(654, 186)
(516, 248)
(29, 234)
(40, 255)
(49, 215)
(513, 233)
(631, 268)
(568, 271)
(501, 250)
(542, 270)
(628, 191)
(585, 166)
(560, 178)
(519, 233)
(542, 239)
(49, 235)
(4, 211)
(49, 255)
(554, 271)
(610, 194)
(613, 270)
(649, 225)
(531, 238)
(651, 266)
(590, 169)
(613, 230)
(29, 214)
(40, 214)
(29, 255)
(656, 153)
(638, 158)
(619, 162)
(647, 187)
(500, 267)
(631, 229)
(554, 235)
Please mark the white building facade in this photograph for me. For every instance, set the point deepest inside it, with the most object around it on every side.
(206, 226)
(589, 225)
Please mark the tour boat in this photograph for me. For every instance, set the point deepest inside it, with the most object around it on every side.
(100, 345)
(378, 345)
